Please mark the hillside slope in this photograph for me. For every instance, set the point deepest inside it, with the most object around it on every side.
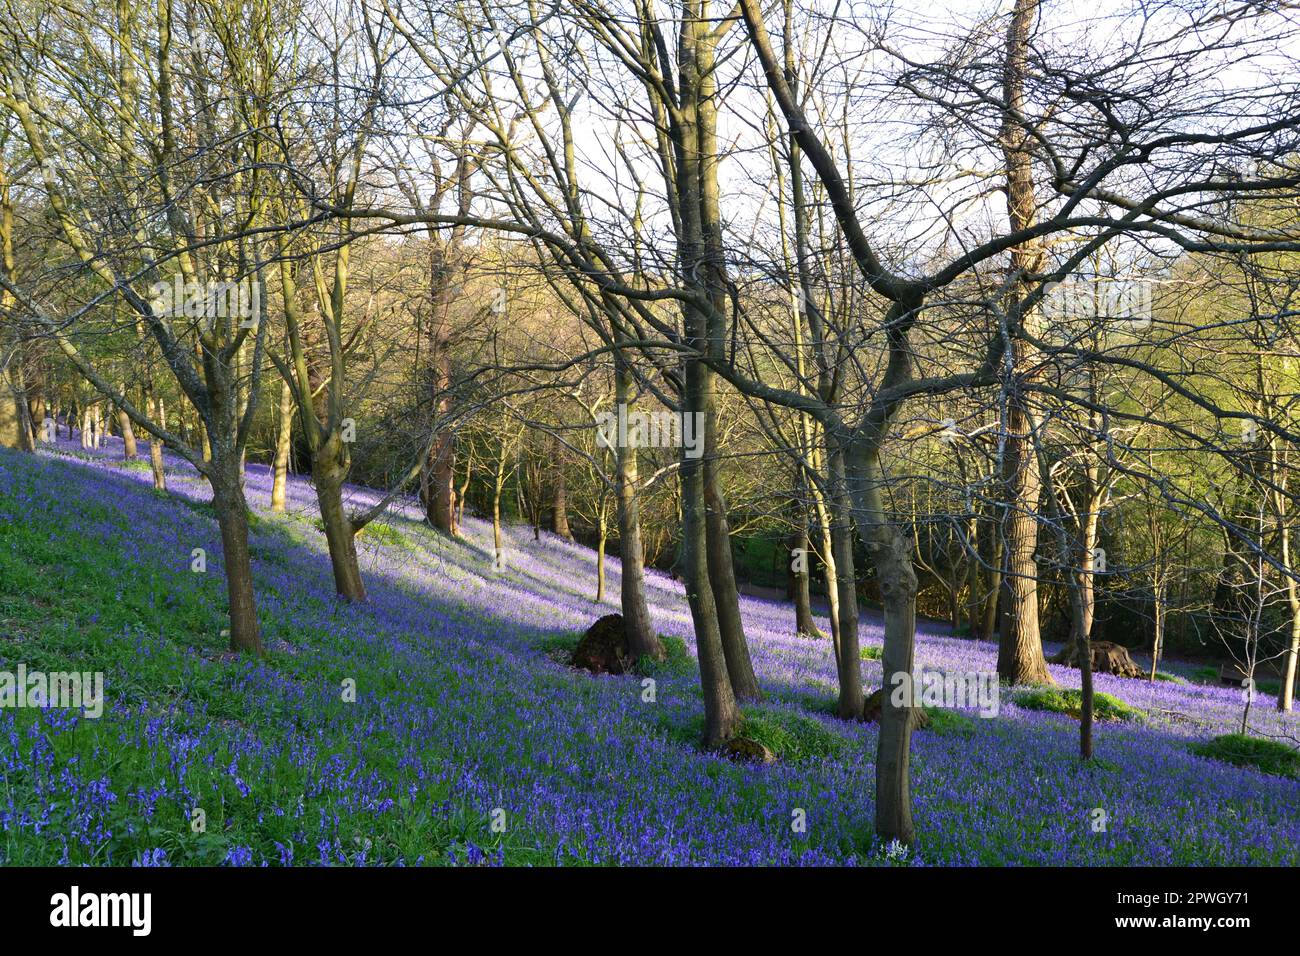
(462, 710)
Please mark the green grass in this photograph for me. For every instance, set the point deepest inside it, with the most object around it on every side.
(1266, 756)
(1171, 678)
(558, 647)
(74, 595)
(677, 661)
(790, 735)
(380, 532)
(871, 653)
(949, 722)
(1070, 702)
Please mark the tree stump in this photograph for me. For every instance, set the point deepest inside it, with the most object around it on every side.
(603, 649)
(1107, 658)
(876, 700)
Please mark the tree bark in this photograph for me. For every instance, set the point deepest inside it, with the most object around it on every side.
(232, 519)
(722, 577)
(330, 465)
(600, 558)
(283, 446)
(1286, 692)
(129, 450)
(159, 412)
(1020, 648)
(804, 624)
(721, 712)
(847, 656)
(560, 497)
(12, 423)
(642, 639)
(891, 556)
(1020, 644)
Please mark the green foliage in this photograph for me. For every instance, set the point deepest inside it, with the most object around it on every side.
(949, 722)
(677, 661)
(1267, 756)
(790, 735)
(1171, 678)
(871, 653)
(383, 533)
(1058, 701)
(558, 647)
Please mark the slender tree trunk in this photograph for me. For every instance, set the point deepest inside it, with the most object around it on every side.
(704, 529)
(1158, 641)
(712, 267)
(891, 555)
(330, 464)
(11, 416)
(1088, 602)
(232, 519)
(642, 639)
(1020, 648)
(829, 569)
(129, 450)
(721, 713)
(12, 398)
(804, 624)
(1020, 644)
(1286, 692)
(560, 498)
(283, 445)
(600, 557)
(847, 655)
(722, 576)
(497, 487)
(159, 412)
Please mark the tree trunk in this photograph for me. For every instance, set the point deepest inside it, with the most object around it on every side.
(891, 555)
(159, 412)
(600, 558)
(283, 445)
(232, 518)
(11, 416)
(704, 530)
(560, 499)
(804, 625)
(1158, 641)
(496, 514)
(830, 571)
(463, 493)
(1286, 692)
(722, 577)
(1020, 647)
(439, 483)
(330, 464)
(721, 713)
(1020, 644)
(129, 450)
(642, 639)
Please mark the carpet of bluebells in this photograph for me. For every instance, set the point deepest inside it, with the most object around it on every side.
(463, 710)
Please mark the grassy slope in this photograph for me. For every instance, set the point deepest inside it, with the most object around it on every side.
(285, 769)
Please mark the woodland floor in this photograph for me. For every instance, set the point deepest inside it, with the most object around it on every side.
(463, 709)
